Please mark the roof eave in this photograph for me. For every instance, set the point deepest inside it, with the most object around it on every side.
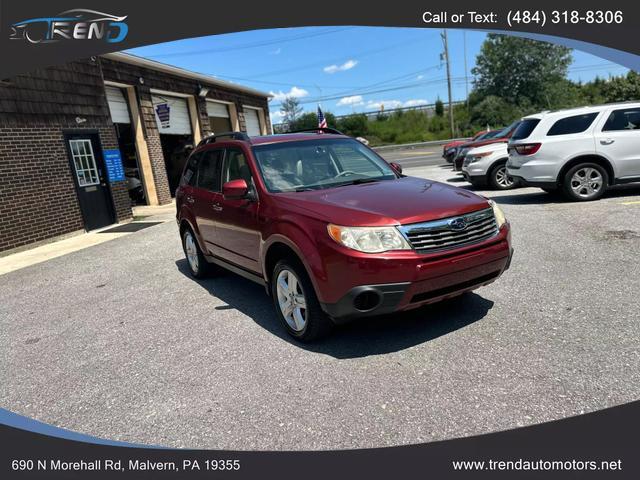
(181, 72)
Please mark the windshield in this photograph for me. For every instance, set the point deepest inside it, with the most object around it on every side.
(319, 164)
(505, 132)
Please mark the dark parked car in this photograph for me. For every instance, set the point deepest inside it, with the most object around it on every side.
(498, 136)
(332, 230)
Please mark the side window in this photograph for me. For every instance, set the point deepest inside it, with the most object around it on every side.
(209, 170)
(574, 124)
(623, 119)
(236, 167)
(190, 171)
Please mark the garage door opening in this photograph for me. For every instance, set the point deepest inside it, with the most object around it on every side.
(121, 118)
(176, 137)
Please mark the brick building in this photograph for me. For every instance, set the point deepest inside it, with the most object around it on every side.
(83, 142)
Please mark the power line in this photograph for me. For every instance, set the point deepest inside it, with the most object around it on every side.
(245, 46)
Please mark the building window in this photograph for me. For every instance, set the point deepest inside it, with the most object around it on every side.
(85, 162)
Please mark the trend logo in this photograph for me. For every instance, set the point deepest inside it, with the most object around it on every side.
(76, 24)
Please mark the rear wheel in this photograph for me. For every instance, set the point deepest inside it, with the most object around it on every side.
(499, 179)
(584, 182)
(296, 302)
(198, 265)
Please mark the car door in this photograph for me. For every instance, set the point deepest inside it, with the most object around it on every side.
(237, 232)
(618, 139)
(206, 195)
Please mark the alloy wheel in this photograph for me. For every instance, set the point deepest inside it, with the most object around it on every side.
(291, 300)
(502, 178)
(191, 250)
(587, 182)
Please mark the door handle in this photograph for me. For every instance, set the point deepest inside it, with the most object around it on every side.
(607, 141)
(217, 207)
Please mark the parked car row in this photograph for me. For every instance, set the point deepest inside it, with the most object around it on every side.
(579, 152)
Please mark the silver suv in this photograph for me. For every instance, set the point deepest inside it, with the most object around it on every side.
(580, 151)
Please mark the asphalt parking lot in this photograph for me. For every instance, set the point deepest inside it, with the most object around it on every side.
(117, 341)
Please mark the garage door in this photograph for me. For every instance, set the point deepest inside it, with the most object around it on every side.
(215, 109)
(252, 120)
(172, 115)
(117, 105)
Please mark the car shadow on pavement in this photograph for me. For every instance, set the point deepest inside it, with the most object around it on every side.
(361, 338)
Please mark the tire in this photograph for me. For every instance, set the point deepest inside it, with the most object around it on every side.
(199, 267)
(306, 323)
(498, 178)
(585, 182)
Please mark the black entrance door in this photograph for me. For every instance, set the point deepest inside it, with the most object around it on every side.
(90, 177)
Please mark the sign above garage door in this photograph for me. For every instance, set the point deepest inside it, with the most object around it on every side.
(172, 115)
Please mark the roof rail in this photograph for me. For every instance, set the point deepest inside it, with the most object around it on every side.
(225, 135)
(318, 129)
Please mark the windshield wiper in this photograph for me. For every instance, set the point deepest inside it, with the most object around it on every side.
(358, 181)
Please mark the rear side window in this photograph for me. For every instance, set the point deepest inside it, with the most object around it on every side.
(209, 170)
(623, 119)
(525, 128)
(574, 124)
(189, 177)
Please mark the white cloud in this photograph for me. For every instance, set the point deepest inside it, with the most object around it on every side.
(276, 116)
(353, 100)
(420, 77)
(414, 102)
(294, 92)
(277, 51)
(348, 65)
(376, 105)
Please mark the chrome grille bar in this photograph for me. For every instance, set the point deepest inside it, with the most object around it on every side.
(443, 234)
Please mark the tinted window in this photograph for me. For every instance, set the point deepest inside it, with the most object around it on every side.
(623, 119)
(525, 128)
(574, 124)
(209, 170)
(189, 176)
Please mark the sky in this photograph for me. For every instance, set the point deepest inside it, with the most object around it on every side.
(345, 68)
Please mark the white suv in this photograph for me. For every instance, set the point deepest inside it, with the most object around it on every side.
(486, 165)
(581, 151)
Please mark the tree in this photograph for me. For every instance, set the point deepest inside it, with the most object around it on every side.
(310, 120)
(439, 107)
(290, 109)
(356, 125)
(622, 89)
(520, 70)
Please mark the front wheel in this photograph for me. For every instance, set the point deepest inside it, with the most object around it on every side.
(500, 179)
(296, 302)
(584, 182)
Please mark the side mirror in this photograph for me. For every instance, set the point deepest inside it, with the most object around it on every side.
(396, 166)
(235, 189)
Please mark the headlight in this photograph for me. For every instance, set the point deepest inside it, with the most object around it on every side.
(498, 213)
(368, 239)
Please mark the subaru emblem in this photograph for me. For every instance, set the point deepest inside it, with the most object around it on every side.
(458, 224)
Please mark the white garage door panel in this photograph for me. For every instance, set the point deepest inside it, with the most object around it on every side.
(252, 121)
(179, 121)
(117, 105)
(215, 109)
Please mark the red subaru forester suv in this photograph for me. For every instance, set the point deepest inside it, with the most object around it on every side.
(332, 230)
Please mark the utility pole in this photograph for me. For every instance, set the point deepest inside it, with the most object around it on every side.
(466, 78)
(446, 57)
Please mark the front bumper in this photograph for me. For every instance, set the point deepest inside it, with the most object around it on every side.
(431, 280)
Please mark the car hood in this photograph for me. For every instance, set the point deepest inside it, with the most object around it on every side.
(390, 202)
(490, 147)
(489, 141)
